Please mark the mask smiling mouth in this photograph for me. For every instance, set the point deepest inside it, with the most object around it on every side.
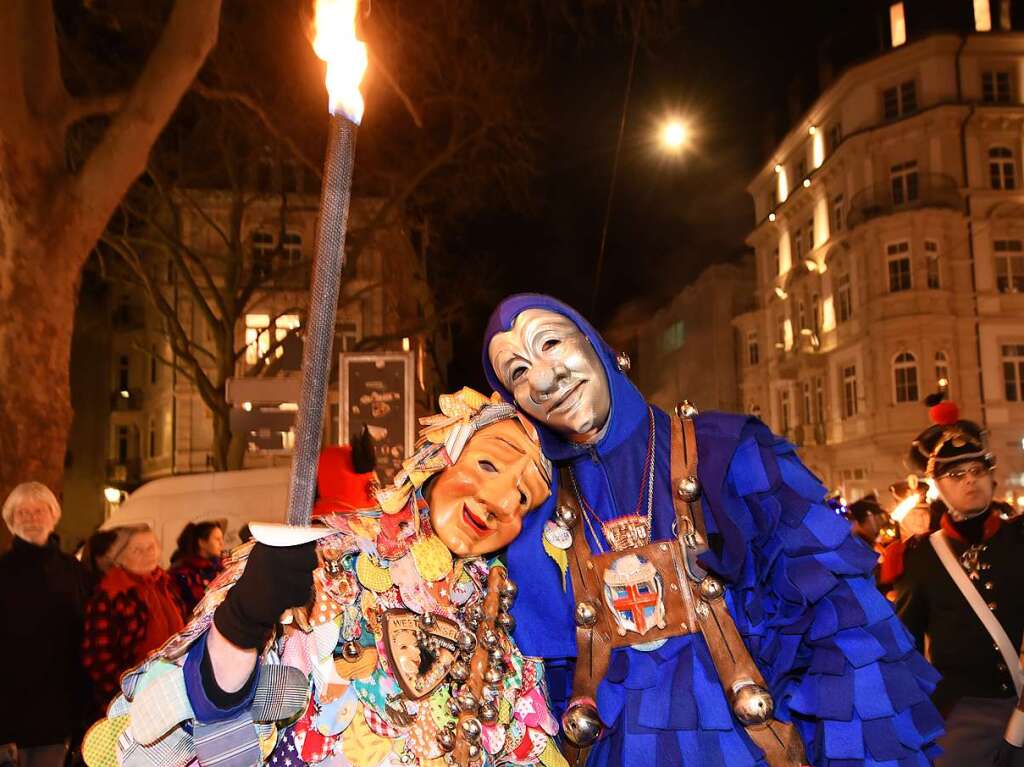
(474, 522)
(565, 396)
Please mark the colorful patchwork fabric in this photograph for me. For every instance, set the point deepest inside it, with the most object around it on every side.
(338, 700)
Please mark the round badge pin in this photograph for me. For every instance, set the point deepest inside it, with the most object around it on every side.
(557, 535)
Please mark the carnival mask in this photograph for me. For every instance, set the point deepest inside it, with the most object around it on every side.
(477, 505)
(554, 373)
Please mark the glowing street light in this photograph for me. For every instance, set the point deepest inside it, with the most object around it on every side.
(674, 134)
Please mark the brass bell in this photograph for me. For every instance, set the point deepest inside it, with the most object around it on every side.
(505, 602)
(751, 703)
(459, 672)
(488, 713)
(446, 740)
(351, 650)
(471, 729)
(689, 489)
(473, 751)
(509, 589)
(489, 639)
(496, 657)
(453, 707)
(492, 676)
(468, 702)
(586, 614)
(581, 724)
(622, 362)
(475, 613)
(506, 622)
(711, 589)
(566, 516)
(686, 409)
(467, 642)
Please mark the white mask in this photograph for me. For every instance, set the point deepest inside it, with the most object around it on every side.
(554, 373)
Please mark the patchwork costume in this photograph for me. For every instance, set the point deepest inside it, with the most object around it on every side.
(401, 658)
(834, 659)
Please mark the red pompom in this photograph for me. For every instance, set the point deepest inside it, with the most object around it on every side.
(944, 414)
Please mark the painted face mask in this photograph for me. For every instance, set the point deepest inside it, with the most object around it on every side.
(477, 505)
(554, 373)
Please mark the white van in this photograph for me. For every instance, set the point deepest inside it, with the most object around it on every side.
(234, 498)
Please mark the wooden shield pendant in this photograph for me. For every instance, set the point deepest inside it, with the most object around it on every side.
(420, 657)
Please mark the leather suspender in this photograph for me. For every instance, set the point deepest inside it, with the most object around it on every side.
(694, 601)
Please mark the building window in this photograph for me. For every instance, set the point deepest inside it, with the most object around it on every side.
(801, 168)
(810, 234)
(753, 350)
(776, 263)
(995, 87)
(780, 332)
(931, 261)
(1009, 256)
(815, 313)
(801, 315)
(905, 374)
(837, 213)
(1013, 372)
(982, 16)
(151, 441)
(798, 244)
(942, 371)
(123, 372)
(262, 253)
(258, 336)
(819, 397)
(673, 336)
(899, 266)
(808, 403)
(1002, 169)
(291, 248)
(122, 444)
(903, 180)
(850, 405)
(897, 25)
(835, 136)
(844, 298)
(784, 409)
(899, 100)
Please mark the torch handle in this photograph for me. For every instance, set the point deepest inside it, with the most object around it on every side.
(318, 334)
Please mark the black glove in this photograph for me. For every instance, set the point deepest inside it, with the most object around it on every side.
(1005, 754)
(275, 579)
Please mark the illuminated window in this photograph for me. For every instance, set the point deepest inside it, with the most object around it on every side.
(815, 313)
(904, 182)
(905, 375)
(262, 253)
(931, 260)
(844, 298)
(673, 336)
(1013, 372)
(897, 24)
(784, 410)
(995, 87)
(1009, 256)
(850, 404)
(291, 248)
(819, 397)
(808, 414)
(982, 16)
(898, 266)
(258, 335)
(942, 371)
(1002, 169)
(899, 100)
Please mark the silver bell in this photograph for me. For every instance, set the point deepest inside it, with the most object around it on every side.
(689, 489)
(506, 602)
(471, 729)
(506, 622)
(467, 642)
(351, 650)
(489, 639)
(446, 740)
(581, 724)
(468, 702)
(460, 672)
(752, 704)
(586, 614)
(492, 676)
(473, 751)
(686, 409)
(566, 516)
(488, 713)
(622, 362)
(509, 589)
(711, 589)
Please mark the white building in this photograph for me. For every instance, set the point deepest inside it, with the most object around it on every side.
(889, 242)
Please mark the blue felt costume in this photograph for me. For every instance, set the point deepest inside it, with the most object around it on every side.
(800, 589)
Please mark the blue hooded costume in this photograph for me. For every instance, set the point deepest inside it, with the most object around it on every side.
(800, 589)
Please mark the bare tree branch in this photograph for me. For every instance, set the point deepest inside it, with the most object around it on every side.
(40, 61)
(393, 83)
(122, 154)
(247, 101)
(163, 360)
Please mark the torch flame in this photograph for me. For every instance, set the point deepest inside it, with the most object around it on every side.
(335, 42)
(903, 507)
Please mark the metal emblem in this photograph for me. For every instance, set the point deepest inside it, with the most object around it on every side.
(622, 362)
(633, 592)
(557, 536)
(420, 656)
(629, 532)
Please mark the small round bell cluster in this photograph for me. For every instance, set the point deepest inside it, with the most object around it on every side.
(470, 711)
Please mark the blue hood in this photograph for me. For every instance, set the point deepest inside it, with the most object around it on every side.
(628, 407)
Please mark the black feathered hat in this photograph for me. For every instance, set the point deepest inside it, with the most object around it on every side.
(949, 440)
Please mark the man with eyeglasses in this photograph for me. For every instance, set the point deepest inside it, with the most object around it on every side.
(963, 589)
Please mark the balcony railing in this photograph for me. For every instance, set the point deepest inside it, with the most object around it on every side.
(922, 190)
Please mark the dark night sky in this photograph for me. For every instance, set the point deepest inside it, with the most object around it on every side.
(726, 69)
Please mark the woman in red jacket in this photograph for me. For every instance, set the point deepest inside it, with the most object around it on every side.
(132, 612)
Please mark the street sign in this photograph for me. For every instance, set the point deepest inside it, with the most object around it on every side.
(377, 391)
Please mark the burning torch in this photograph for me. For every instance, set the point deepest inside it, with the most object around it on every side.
(335, 42)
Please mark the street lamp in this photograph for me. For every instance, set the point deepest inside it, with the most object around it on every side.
(112, 495)
(674, 134)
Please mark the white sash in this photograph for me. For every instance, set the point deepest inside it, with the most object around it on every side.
(991, 623)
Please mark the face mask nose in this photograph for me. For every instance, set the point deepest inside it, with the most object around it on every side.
(544, 379)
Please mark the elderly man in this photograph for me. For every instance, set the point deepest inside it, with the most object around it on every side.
(42, 600)
(963, 589)
(695, 600)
